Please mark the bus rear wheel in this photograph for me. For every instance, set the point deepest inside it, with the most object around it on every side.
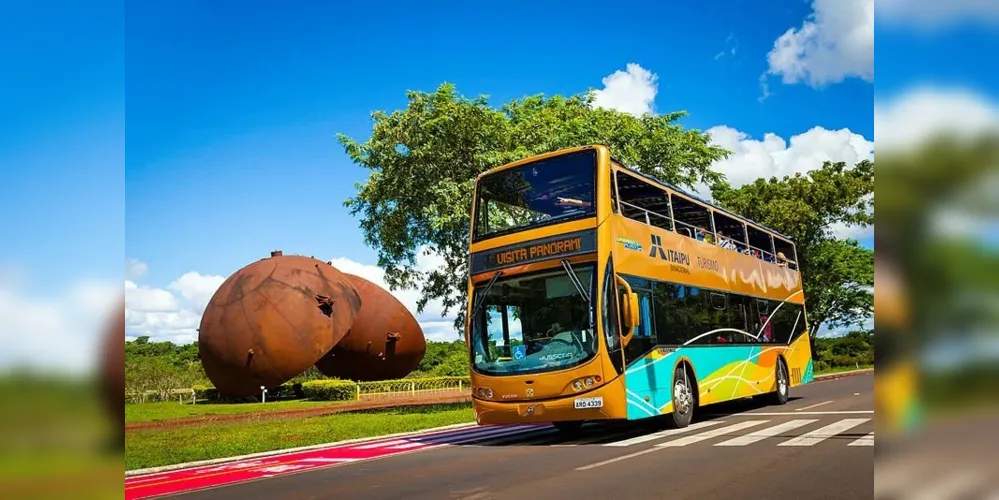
(683, 398)
(569, 427)
(780, 396)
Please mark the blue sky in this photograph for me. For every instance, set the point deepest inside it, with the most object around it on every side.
(232, 113)
(232, 109)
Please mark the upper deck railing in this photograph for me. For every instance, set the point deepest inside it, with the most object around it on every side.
(668, 223)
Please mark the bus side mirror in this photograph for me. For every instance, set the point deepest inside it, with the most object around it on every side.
(629, 311)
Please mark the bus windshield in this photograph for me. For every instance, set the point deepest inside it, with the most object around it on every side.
(534, 323)
(548, 191)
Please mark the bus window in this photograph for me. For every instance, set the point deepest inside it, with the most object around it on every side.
(738, 319)
(799, 322)
(785, 253)
(643, 201)
(731, 232)
(692, 219)
(717, 301)
(784, 315)
(761, 326)
(672, 315)
(761, 244)
(644, 339)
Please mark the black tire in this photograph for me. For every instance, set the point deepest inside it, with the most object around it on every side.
(780, 396)
(683, 398)
(570, 427)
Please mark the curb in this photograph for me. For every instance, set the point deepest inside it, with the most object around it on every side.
(287, 451)
(833, 376)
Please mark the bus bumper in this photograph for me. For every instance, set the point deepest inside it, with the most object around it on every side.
(610, 397)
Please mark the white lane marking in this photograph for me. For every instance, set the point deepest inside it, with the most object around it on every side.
(867, 440)
(616, 459)
(602, 435)
(697, 438)
(379, 445)
(431, 438)
(787, 413)
(668, 432)
(532, 437)
(823, 433)
(767, 433)
(813, 406)
(491, 433)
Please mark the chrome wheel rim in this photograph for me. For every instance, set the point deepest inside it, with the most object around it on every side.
(781, 380)
(681, 397)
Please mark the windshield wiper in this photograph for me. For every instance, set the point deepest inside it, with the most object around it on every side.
(575, 281)
(485, 291)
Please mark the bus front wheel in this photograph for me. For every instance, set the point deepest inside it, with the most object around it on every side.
(683, 398)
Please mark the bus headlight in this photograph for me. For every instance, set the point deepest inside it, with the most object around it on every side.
(585, 382)
(484, 392)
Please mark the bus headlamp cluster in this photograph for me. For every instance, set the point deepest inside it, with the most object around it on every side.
(585, 382)
(484, 392)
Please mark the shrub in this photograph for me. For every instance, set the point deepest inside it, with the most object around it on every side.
(205, 393)
(330, 390)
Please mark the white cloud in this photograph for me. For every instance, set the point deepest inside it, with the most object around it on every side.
(911, 117)
(197, 289)
(61, 332)
(161, 315)
(174, 313)
(931, 14)
(135, 269)
(435, 326)
(632, 91)
(752, 159)
(772, 156)
(835, 42)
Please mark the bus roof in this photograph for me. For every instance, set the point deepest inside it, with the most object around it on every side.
(651, 178)
(703, 201)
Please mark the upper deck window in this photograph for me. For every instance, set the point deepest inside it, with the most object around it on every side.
(548, 191)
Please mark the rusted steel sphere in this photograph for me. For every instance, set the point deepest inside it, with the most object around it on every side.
(385, 341)
(112, 371)
(272, 320)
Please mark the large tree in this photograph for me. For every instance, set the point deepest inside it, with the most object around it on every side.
(837, 273)
(423, 161)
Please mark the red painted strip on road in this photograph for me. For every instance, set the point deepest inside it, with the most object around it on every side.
(196, 478)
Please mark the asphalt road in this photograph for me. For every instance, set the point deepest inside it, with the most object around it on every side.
(819, 445)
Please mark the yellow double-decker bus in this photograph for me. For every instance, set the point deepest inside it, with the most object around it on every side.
(596, 293)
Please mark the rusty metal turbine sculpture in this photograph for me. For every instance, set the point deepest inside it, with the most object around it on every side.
(385, 341)
(272, 320)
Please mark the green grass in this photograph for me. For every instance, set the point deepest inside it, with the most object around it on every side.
(151, 412)
(841, 369)
(156, 447)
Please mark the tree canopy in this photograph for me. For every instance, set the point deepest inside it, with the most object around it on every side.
(423, 161)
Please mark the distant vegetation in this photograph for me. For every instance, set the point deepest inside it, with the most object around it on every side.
(156, 368)
(849, 351)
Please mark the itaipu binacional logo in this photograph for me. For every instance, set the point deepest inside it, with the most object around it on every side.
(629, 244)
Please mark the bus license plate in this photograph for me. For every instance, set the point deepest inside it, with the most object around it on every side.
(584, 403)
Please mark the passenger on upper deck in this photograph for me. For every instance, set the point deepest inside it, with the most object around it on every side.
(781, 259)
